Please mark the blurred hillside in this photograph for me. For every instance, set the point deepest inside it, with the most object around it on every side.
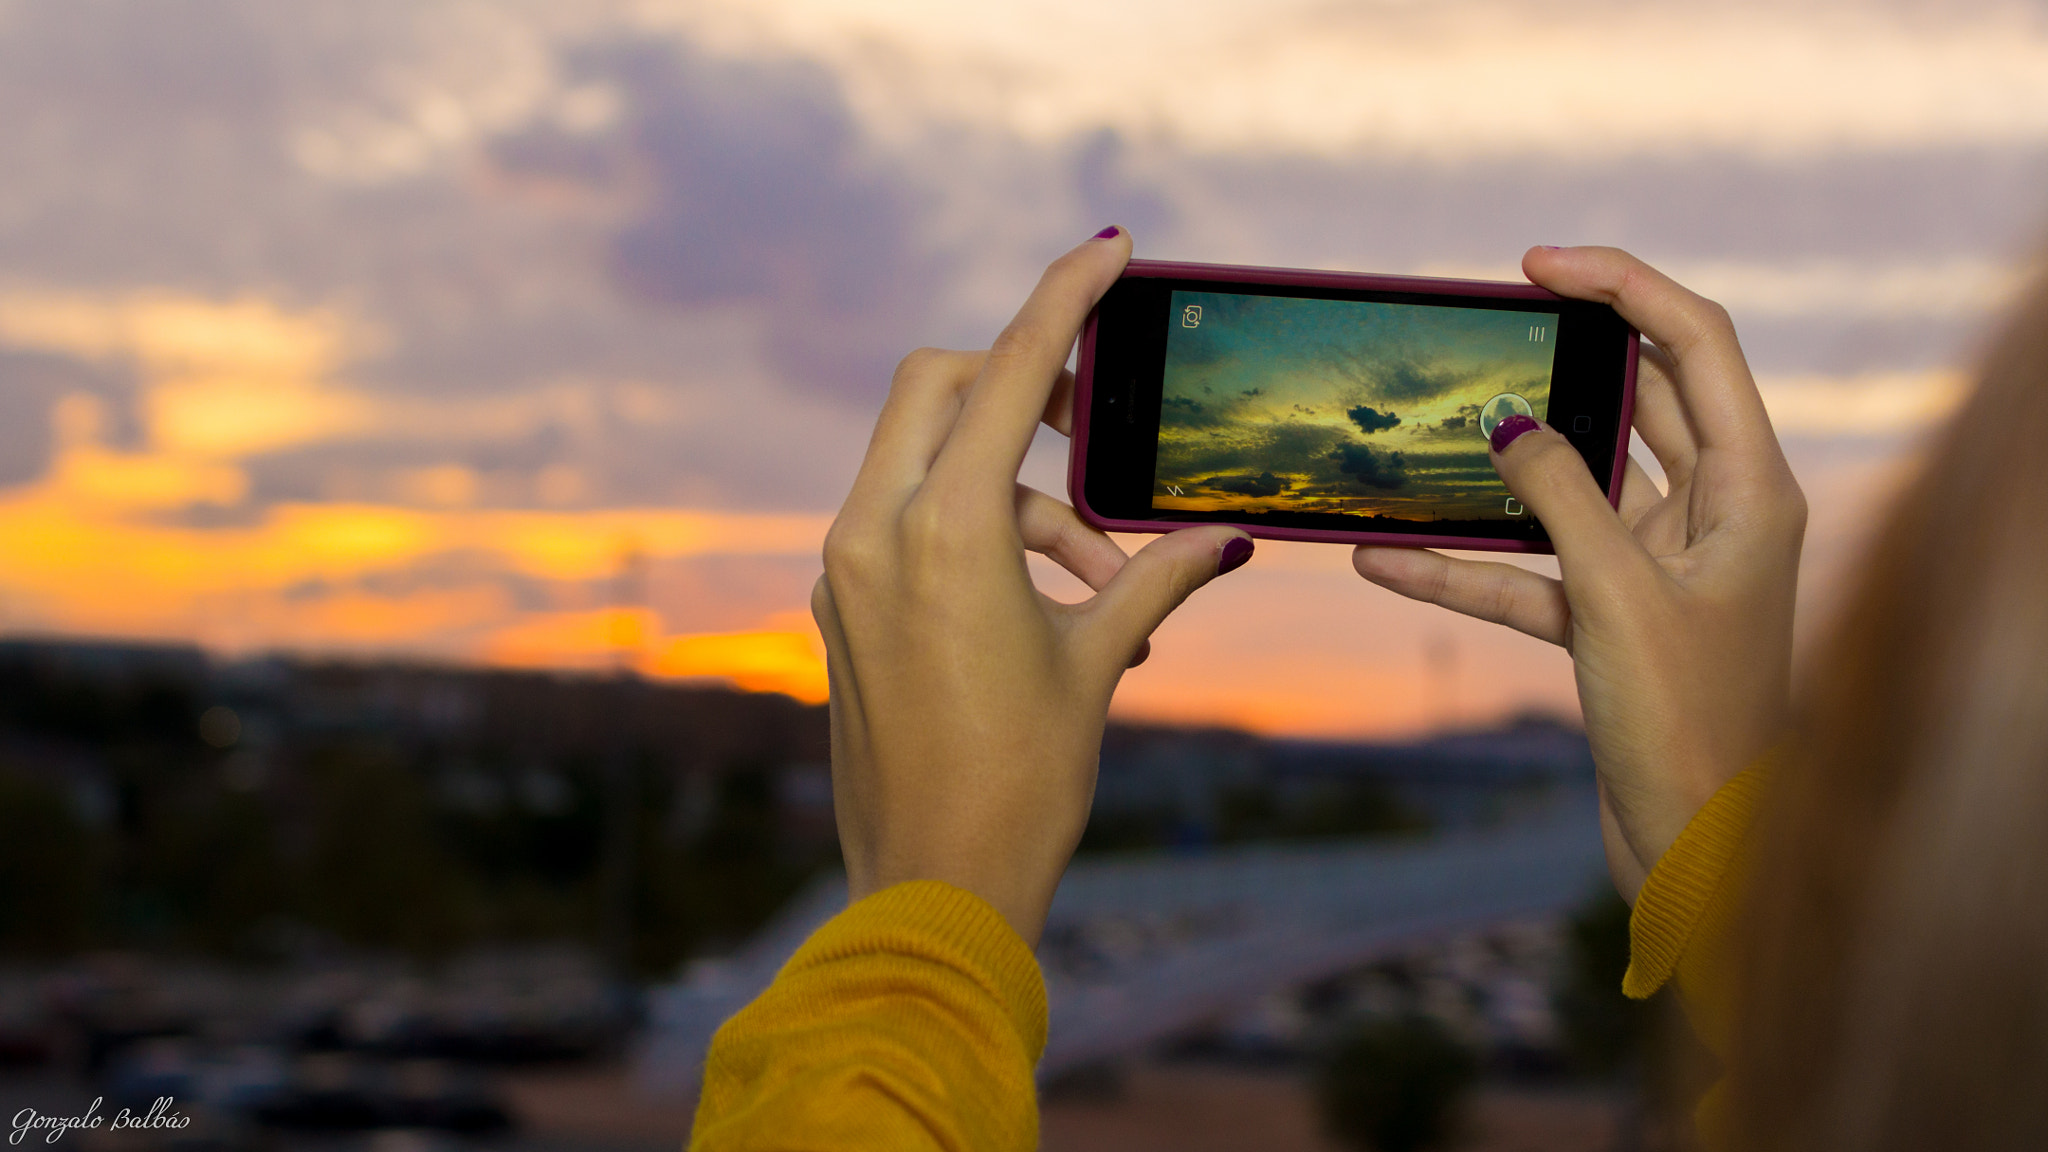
(311, 896)
(265, 810)
(277, 809)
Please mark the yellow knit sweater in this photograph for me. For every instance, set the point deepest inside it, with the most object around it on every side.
(913, 1019)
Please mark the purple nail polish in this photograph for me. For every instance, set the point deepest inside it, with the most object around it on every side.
(1509, 430)
(1236, 551)
(1108, 233)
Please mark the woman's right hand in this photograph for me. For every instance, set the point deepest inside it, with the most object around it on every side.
(1677, 609)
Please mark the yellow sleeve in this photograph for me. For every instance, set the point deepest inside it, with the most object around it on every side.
(1686, 911)
(912, 1020)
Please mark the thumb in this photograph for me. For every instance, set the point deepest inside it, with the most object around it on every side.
(1154, 582)
(1546, 473)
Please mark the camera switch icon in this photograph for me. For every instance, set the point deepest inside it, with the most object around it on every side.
(1514, 507)
(1191, 316)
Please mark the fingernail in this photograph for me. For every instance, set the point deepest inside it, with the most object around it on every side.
(1236, 551)
(1551, 247)
(1144, 654)
(1509, 430)
(1108, 233)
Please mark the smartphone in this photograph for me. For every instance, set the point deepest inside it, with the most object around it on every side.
(1336, 406)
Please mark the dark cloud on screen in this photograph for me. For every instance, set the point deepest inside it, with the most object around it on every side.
(1453, 423)
(1188, 412)
(1389, 375)
(1295, 440)
(1370, 467)
(1407, 381)
(1264, 484)
(1371, 420)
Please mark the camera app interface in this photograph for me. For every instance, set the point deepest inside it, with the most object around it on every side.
(1282, 404)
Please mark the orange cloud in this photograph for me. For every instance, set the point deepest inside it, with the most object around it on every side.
(236, 415)
(74, 564)
(92, 476)
(172, 335)
(788, 656)
(221, 380)
(105, 543)
(97, 545)
(785, 657)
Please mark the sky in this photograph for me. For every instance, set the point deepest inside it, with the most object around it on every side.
(548, 334)
(1273, 404)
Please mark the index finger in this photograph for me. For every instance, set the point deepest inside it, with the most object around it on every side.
(1712, 376)
(1003, 408)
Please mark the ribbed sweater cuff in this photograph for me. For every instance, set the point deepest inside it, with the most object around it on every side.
(1686, 883)
(938, 923)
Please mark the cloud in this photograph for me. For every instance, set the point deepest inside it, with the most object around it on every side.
(1371, 468)
(1442, 83)
(1264, 484)
(760, 190)
(1288, 448)
(219, 380)
(402, 316)
(322, 574)
(490, 321)
(1453, 423)
(1405, 381)
(1188, 412)
(1371, 420)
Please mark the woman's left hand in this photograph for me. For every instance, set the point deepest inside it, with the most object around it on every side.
(967, 706)
(1676, 607)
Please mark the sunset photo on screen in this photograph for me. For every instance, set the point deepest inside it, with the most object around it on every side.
(1280, 404)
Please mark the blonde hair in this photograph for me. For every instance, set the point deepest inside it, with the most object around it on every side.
(1895, 994)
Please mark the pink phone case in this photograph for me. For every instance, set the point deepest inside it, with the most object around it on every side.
(1495, 289)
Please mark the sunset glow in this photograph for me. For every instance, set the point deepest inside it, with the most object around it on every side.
(550, 336)
(786, 657)
(102, 543)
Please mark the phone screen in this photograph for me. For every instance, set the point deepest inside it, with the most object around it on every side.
(1336, 405)
(1279, 404)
